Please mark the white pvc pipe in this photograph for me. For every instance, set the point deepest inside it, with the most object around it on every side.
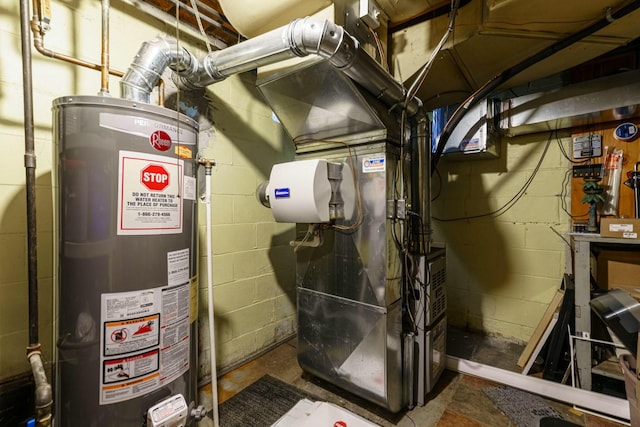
(599, 402)
(212, 337)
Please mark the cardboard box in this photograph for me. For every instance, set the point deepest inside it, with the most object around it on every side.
(619, 270)
(626, 228)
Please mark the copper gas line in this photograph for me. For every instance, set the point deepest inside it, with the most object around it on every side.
(39, 28)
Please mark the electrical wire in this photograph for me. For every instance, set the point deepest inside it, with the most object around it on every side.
(508, 205)
(381, 53)
(562, 237)
(564, 193)
(563, 150)
(417, 83)
(408, 290)
(415, 86)
(194, 5)
(434, 198)
(507, 74)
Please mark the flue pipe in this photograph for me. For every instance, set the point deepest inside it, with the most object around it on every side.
(152, 59)
(299, 38)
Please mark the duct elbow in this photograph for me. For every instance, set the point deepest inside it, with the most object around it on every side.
(205, 74)
(324, 38)
(150, 62)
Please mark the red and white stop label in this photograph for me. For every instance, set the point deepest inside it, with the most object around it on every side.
(154, 177)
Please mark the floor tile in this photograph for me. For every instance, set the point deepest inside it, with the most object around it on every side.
(456, 401)
(453, 419)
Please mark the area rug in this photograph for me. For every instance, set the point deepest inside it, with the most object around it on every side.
(524, 409)
(261, 404)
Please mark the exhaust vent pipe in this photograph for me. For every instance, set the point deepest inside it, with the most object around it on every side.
(150, 62)
(299, 38)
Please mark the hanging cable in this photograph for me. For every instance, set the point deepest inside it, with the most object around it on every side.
(194, 4)
(417, 83)
(521, 192)
(413, 89)
(507, 74)
(381, 52)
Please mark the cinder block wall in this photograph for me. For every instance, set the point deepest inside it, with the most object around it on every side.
(253, 266)
(502, 271)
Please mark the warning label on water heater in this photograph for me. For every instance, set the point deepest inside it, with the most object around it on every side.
(144, 341)
(149, 194)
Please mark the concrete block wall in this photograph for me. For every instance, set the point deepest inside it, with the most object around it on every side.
(254, 266)
(252, 263)
(502, 271)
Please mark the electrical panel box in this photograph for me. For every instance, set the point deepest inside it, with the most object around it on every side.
(587, 146)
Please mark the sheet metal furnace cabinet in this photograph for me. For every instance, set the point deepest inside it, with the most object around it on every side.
(349, 307)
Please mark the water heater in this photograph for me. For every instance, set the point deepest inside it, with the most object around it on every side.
(125, 194)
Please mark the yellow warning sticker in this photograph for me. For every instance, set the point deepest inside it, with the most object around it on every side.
(184, 152)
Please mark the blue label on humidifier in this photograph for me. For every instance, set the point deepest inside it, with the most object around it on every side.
(374, 164)
(282, 193)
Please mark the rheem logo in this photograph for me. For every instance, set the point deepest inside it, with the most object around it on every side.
(160, 140)
(154, 177)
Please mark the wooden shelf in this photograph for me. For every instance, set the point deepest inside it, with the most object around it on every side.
(610, 368)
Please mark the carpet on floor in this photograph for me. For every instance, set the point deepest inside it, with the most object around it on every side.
(261, 404)
(524, 409)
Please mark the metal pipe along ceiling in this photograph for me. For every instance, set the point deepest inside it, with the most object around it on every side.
(299, 38)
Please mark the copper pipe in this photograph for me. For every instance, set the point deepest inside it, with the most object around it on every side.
(38, 43)
(161, 93)
(104, 69)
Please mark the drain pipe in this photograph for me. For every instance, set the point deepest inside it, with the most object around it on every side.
(206, 199)
(299, 38)
(43, 396)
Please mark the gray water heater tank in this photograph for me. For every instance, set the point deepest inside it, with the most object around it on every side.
(125, 195)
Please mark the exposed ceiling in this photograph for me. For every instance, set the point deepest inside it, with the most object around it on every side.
(214, 23)
(490, 35)
(493, 35)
